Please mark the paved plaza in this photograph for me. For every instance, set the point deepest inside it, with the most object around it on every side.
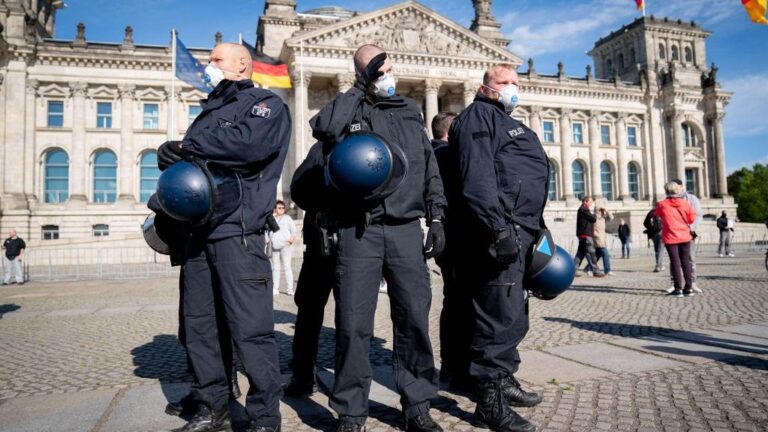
(610, 354)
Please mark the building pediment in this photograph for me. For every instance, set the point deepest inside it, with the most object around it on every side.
(408, 28)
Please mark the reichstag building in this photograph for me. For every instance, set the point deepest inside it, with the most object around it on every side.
(80, 120)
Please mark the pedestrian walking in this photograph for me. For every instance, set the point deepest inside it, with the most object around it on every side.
(585, 231)
(652, 225)
(676, 216)
(725, 226)
(282, 242)
(601, 241)
(625, 236)
(14, 248)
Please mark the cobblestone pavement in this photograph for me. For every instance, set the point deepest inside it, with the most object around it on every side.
(76, 337)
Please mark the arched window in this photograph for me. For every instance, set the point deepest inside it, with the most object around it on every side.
(689, 135)
(688, 55)
(552, 195)
(104, 177)
(56, 172)
(608, 68)
(633, 180)
(621, 63)
(579, 179)
(149, 173)
(675, 53)
(662, 52)
(632, 57)
(606, 180)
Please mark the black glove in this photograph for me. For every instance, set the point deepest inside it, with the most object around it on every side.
(371, 72)
(435, 240)
(505, 248)
(168, 154)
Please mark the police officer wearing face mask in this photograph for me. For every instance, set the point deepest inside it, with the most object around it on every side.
(245, 130)
(502, 189)
(387, 240)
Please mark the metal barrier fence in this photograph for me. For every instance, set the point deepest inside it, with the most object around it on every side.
(72, 264)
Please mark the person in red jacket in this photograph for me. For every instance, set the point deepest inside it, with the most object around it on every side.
(676, 217)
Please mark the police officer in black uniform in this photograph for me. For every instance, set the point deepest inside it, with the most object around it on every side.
(384, 239)
(503, 178)
(308, 191)
(245, 130)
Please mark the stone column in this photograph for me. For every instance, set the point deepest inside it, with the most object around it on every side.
(722, 175)
(78, 160)
(621, 170)
(565, 154)
(301, 137)
(431, 87)
(470, 90)
(676, 123)
(29, 139)
(344, 81)
(536, 124)
(594, 157)
(127, 183)
(15, 86)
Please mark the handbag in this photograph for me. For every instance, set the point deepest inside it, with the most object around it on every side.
(693, 233)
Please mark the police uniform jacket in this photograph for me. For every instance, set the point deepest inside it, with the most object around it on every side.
(399, 121)
(502, 167)
(245, 129)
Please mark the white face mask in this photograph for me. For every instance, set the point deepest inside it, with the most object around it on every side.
(508, 96)
(385, 86)
(213, 75)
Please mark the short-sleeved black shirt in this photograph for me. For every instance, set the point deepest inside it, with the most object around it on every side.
(13, 247)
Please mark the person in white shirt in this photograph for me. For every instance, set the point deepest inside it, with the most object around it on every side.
(281, 241)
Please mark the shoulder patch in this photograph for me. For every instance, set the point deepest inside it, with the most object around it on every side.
(514, 133)
(355, 127)
(261, 109)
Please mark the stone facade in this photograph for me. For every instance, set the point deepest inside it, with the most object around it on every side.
(646, 114)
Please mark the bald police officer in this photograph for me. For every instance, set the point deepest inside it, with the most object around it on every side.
(503, 173)
(225, 271)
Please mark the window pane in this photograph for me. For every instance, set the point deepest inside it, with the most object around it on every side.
(552, 195)
(578, 136)
(194, 111)
(632, 136)
(606, 180)
(634, 189)
(578, 180)
(104, 177)
(56, 181)
(55, 113)
(549, 131)
(149, 174)
(605, 134)
(104, 115)
(151, 116)
(690, 181)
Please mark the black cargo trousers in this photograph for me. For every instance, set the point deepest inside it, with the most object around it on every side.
(364, 255)
(500, 302)
(233, 276)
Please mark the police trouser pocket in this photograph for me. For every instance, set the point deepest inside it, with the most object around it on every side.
(255, 282)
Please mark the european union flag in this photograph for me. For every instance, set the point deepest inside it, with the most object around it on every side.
(188, 69)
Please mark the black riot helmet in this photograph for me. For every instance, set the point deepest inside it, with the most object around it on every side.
(365, 166)
(199, 192)
(551, 270)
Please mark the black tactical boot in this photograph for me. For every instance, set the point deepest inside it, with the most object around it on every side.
(493, 411)
(254, 428)
(422, 423)
(516, 396)
(346, 425)
(207, 421)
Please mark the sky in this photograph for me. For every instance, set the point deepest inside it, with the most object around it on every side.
(547, 31)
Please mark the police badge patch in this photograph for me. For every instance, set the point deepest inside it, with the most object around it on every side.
(516, 132)
(261, 110)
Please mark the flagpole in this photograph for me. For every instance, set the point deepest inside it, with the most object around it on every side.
(643, 8)
(302, 93)
(172, 101)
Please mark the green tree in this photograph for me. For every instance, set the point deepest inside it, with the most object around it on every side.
(749, 187)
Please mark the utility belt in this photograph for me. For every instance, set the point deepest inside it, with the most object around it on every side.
(327, 226)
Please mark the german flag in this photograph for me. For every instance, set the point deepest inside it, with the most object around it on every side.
(756, 10)
(268, 72)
